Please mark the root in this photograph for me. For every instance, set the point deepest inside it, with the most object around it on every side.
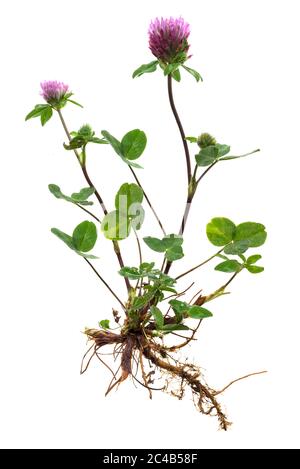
(207, 403)
(135, 347)
(239, 379)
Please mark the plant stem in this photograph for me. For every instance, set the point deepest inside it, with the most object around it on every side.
(195, 171)
(148, 200)
(90, 213)
(192, 183)
(99, 198)
(199, 265)
(187, 208)
(185, 144)
(188, 163)
(219, 291)
(105, 283)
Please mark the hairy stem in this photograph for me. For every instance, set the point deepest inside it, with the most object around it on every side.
(185, 144)
(98, 196)
(148, 200)
(105, 283)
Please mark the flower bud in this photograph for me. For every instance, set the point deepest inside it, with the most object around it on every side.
(205, 140)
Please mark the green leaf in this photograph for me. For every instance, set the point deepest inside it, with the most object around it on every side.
(76, 142)
(63, 237)
(171, 245)
(141, 301)
(237, 247)
(128, 202)
(115, 226)
(83, 194)
(98, 140)
(220, 231)
(132, 273)
(55, 190)
(174, 253)
(46, 114)
(222, 149)
(172, 240)
(104, 324)
(207, 155)
(127, 195)
(130, 163)
(155, 244)
(118, 148)
(85, 236)
(254, 269)
(254, 233)
(158, 316)
(221, 256)
(68, 240)
(171, 68)
(242, 257)
(146, 266)
(192, 139)
(194, 311)
(74, 102)
(239, 156)
(113, 142)
(179, 308)
(176, 75)
(193, 72)
(253, 259)
(37, 111)
(145, 68)
(136, 216)
(197, 312)
(133, 144)
(228, 266)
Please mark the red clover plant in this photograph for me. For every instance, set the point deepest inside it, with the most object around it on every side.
(154, 311)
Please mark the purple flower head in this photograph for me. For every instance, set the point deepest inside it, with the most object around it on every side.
(168, 39)
(53, 91)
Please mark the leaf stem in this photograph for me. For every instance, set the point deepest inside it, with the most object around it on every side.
(105, 283)
(90, 213)
(148, 200)
(199, 265)
(139, 247)
(206, 171)
(231, 279)
(99, 198)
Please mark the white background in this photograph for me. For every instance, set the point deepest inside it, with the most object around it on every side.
(248, 54)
